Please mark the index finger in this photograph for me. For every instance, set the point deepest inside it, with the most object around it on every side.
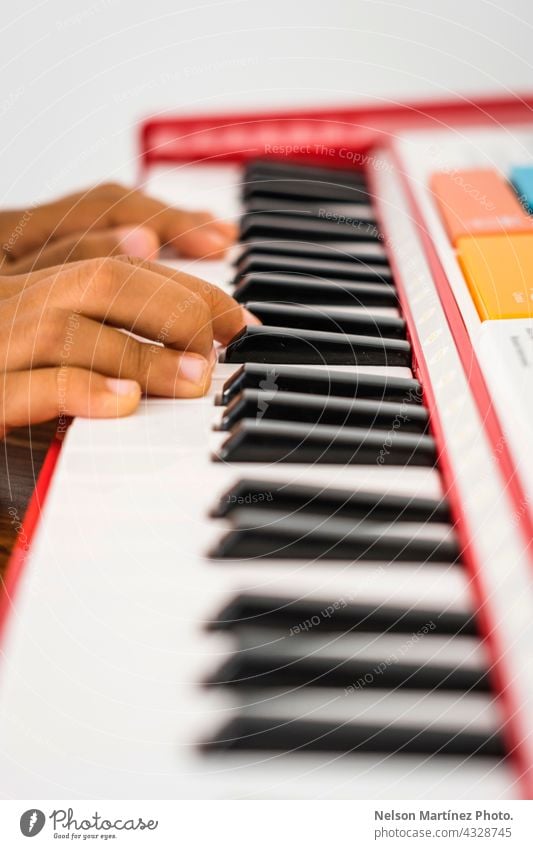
(228, 316)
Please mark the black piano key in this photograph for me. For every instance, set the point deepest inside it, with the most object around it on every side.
(315, 228)
(302, 536)
(287, 497)
(274, 661)
(294, 289)
(329, 319)
(262, 344)
(324, 209)
(270, 442)
(304, 188)
(345, 384)
(293, 734)
(328, 269)
(319, 409)
(297, 616)
(280, 169)
(365, 252)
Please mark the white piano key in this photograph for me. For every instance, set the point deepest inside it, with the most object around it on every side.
(122, 774)
(428, 650)
(415, 709)
(156, 478)
(212, 187)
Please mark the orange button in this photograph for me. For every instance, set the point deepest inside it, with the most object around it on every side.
(499, 274)
(478, 202)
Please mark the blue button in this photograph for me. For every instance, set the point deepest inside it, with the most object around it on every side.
(522, 179)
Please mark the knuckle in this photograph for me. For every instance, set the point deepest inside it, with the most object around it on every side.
(216, 298)
(51, 330)
(199, 312)
(111, 189)
(104, 202)
(136, 360)
(84, 278)
(221, 304)
(129, 259)
(100, 276)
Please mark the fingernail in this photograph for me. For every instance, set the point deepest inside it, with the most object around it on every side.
(249, 317)
(194, 369)
(138, 241)
(122, 387)
(213, 359)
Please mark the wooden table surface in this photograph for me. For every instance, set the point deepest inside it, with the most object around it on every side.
(21, 457)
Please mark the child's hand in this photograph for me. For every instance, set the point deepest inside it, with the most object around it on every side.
(62, 351)
(105, 221)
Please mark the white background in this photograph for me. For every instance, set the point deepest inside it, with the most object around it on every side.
(77, 75)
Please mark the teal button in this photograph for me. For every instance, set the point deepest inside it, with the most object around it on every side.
(522, 179)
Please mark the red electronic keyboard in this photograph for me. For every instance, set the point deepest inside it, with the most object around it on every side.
(316, 581)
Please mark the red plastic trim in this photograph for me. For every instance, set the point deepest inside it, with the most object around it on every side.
(477, 384)
(175, 138)
(472, 369)
(32, 516)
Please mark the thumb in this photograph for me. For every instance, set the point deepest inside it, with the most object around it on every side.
(31, 397)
